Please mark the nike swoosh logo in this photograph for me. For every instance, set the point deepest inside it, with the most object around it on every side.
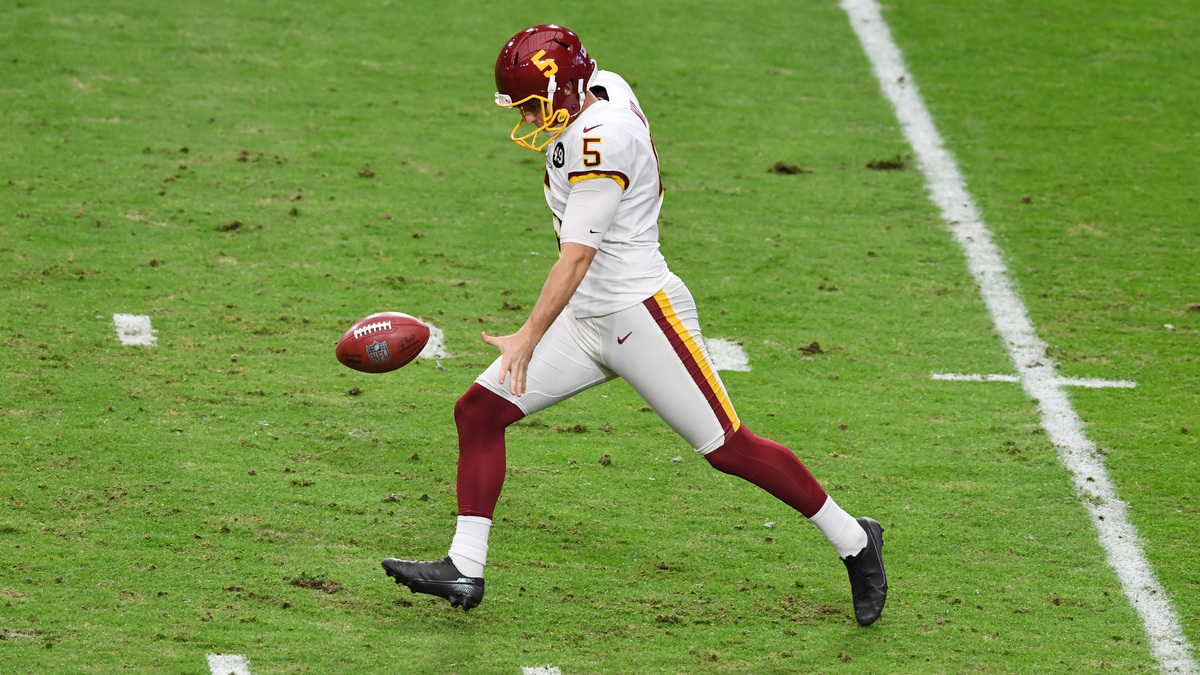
(621, 341)
(587, 129)
(593, 232)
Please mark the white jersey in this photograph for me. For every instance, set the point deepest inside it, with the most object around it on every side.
(611, 140)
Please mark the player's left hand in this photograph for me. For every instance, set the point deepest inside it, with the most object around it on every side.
(515, 352)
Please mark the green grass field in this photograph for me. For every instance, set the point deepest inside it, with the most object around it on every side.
(256, 177)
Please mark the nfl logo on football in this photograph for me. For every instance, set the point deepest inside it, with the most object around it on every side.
(378, 352)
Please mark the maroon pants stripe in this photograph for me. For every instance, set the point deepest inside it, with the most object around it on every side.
(660, 308)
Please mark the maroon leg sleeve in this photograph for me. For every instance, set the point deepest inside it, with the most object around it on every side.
(771, 467)
(481, 417)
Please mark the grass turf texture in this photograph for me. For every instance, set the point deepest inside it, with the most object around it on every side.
(257, 178)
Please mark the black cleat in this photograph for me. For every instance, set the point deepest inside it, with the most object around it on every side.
(868, 581)
(437, 577)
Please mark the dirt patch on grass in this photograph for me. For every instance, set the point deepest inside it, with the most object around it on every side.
(788, 169)
(894, 164)
(811, 348)
(316, 584)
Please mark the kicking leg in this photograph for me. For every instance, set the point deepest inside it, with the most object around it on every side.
(858, 542)
(661, 353)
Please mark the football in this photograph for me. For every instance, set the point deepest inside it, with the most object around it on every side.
(382, 342)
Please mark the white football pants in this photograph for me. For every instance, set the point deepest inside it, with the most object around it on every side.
(655, 346)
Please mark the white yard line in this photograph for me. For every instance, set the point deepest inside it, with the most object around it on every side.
(1037, 370)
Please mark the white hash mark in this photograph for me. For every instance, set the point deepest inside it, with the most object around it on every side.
(134, 329)
(1088, 382)
(726, 355)
(228, 664)
(436, 347)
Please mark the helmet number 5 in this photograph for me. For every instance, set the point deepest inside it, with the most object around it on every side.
(547, 66)
(591, 156)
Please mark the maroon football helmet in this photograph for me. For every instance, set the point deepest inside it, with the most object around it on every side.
(536, 65)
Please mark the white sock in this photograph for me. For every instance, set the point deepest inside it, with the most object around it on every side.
(469, 549)
(840, 528)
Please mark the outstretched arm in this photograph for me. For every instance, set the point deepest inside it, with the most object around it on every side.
(517, 349)
(590, 211)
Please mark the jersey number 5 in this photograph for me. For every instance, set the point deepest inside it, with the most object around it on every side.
(591, 156)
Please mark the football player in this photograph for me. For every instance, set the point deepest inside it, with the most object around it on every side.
(610, 307)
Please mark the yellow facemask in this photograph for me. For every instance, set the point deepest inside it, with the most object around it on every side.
(553, 121)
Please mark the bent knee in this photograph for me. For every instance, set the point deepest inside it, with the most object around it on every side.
(726, 457)
(480, 405)
(471, 404)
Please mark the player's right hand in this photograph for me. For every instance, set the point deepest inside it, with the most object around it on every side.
(516, 350)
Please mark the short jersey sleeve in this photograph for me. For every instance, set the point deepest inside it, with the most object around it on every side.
(590, 211)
